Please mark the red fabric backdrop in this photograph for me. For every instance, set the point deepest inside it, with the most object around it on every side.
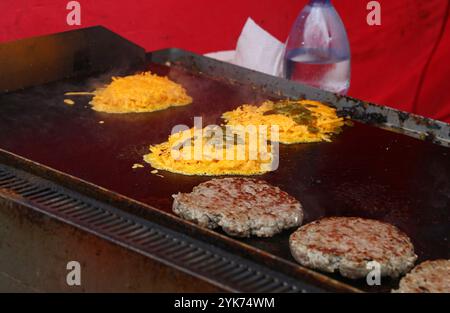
(402, 63)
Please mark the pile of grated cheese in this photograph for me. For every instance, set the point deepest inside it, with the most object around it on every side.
(299, 121)
(144, 92)
(177, 155)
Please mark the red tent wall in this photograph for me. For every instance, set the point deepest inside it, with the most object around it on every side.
(401, 63)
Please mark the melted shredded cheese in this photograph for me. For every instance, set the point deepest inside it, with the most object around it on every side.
(213, 157)
(144, 92)
(69, 102)
(321, 123)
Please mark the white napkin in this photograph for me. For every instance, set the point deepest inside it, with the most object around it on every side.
(256, 49)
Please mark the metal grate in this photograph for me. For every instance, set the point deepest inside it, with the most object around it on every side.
(198, 258)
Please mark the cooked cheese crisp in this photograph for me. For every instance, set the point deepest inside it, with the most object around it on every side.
(298, 121)
(144, 92)
(202, 152)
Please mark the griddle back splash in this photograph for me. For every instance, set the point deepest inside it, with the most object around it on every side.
(83, 52)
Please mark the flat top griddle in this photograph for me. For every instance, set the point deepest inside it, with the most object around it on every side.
(366, 171)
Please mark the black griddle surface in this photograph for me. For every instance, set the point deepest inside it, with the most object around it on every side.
(366, 171)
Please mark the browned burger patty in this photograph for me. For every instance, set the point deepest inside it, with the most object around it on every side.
(348, 244)
(240, 206)
(429, 276)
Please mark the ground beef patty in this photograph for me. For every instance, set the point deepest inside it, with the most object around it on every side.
(240, 206)
(429, 276)
(347, 244)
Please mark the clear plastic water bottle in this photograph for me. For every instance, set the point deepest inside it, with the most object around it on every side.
(317, 50)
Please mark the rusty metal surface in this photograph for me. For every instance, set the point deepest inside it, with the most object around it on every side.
(366, 171)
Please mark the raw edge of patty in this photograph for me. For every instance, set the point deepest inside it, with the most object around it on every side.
(429, 276)
(212, 204)
(346, 253)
